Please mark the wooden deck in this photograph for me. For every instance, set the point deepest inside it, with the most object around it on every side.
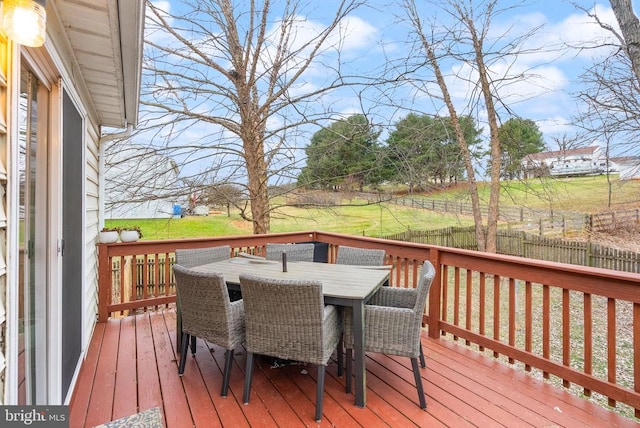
(131, 366)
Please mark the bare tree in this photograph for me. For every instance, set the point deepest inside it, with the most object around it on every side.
(227, 89)
(465, 40)
(610, 110)
(630, 28)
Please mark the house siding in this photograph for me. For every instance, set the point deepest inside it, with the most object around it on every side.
(92, 204)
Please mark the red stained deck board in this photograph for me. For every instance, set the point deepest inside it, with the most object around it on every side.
(539, 396)
(80, 401)
(228, 409)
(176, 408)
(338, 411)
(149, 394)
(101, 401)
(500, 399)
(125, 401)
(463, 388)
(199, 398)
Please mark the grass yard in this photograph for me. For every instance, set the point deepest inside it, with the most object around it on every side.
(580, 194)
(368, 220)
(577, 194)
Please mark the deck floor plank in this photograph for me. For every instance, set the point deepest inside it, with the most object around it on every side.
(79, 406)
(228, 410)
(507, 397)
(125, 400)
(149, 394)
(557, 404)
(102, 395)
(463, 388)
(174, 399)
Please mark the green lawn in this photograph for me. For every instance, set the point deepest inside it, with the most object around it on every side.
(369, 220)
(582, 194)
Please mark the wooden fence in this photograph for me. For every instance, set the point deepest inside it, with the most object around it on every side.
(522, 244)
(541, 222)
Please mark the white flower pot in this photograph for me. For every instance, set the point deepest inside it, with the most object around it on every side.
(109, 237)
(129, 235)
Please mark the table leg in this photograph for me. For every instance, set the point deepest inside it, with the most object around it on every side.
(359, 354)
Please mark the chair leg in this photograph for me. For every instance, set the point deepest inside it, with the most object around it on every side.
(193, 346)
(349, 365)
(183, 353)
(416, 374)
(340, 356)
(247, 378)
(228, 360)
(423, 364)
(320, 392)
(340, 349)
(178, 324)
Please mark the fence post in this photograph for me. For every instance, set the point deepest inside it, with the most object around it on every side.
(435, 295)
(104, 282)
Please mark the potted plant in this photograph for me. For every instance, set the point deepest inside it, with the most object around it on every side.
(109, 235)
(130, 233)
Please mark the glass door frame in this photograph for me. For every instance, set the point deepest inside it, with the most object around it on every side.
(48, 248)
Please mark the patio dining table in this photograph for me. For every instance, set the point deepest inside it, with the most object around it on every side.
(342, 285)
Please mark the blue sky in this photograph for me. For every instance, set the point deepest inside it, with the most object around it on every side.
(547, 94)
(377, 37)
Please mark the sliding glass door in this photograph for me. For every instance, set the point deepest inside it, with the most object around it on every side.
(33, 299)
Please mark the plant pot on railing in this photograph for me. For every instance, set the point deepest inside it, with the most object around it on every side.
(109, 235)
(130, 234)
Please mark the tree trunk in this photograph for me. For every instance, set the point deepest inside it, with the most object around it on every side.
(257, 183)
(462, 143)
(494, 196)
(630, 27)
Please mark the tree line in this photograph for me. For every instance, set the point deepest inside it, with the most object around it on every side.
(420, 151)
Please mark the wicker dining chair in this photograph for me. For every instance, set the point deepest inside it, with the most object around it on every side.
(295, 252)
(208, 313)
(192, 257)
(359, 256)
(288, 319)
(393, 321)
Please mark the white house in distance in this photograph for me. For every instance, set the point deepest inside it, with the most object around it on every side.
(138, 183)
(571, 162)
(60, 95)
(628, 167)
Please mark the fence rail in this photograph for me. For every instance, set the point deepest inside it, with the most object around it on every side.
(577, 325)
(522, 244)
(543, 222)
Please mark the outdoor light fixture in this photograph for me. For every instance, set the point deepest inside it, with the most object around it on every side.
(25, 21)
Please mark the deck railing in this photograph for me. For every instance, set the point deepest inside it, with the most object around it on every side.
(574, 324)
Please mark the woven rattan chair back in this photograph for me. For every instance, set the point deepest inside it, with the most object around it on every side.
(192, 257)
(284, 319)
(295, 252)
(359, 256)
